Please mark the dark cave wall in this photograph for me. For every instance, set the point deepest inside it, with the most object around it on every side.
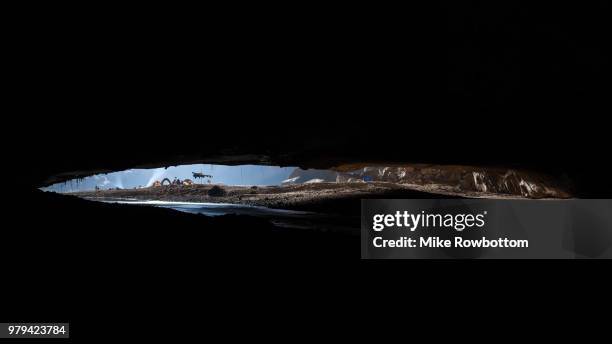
(67, 152)
(492, 84)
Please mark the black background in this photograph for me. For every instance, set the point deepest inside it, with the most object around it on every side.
(96, 88)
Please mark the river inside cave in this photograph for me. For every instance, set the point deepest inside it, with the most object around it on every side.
(217, 209)
(279, 217)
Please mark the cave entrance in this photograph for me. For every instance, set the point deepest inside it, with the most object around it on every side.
(296, 188)
(182, 175)
(211, 190)
(304, 198)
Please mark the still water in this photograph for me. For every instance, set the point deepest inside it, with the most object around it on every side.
(280, 217)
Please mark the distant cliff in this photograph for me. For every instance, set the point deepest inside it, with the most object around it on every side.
(299, 176)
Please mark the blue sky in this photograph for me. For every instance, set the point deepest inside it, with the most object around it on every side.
(228, 175)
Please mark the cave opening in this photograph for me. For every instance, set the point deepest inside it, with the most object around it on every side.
(181, 175)
(297, 198)
(212, 189)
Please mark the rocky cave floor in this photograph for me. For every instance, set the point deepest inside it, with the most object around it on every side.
(310, 197)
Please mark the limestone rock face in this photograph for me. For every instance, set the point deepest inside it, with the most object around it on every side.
(464, 179)
(300, 176)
